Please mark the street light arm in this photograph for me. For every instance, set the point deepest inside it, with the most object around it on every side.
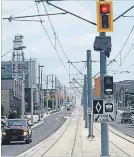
(71, 13)
(123, 13)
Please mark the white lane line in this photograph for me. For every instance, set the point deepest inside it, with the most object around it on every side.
(44, 124)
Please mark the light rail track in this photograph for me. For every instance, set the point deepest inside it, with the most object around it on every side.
(121, 136)
(72, 151)
(96, 129)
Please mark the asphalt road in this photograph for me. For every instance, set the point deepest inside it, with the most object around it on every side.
(125, 127)
(51, 124)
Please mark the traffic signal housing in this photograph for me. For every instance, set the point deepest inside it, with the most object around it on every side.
(104, 16)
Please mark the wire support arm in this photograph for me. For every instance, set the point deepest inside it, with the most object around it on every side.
(71, 13)
(77, 82)
(123, 13)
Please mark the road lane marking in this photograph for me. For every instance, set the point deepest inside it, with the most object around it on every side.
(44, 124)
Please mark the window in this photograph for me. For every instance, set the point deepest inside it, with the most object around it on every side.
(16, 123)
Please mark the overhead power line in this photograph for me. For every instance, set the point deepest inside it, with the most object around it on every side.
(122, 47)
(50, 39)
(55, 32)
(126, 56)
(23, 10)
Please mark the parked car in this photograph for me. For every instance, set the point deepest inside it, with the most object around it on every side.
(16, 130)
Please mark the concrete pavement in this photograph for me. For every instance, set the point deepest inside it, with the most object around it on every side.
(71, 140)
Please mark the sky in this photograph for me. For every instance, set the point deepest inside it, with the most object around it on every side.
(75, 35)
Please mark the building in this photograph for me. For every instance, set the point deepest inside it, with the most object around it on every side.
(8, 73)
(11, 95)
(125, 92)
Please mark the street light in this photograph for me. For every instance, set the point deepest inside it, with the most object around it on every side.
(40, 91)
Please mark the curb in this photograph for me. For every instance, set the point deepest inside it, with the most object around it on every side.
(58, 132)
(49, 114)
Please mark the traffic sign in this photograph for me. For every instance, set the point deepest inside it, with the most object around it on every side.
(104, 111)
(108, 85)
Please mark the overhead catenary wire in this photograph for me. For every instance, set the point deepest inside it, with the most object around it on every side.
(122, 46)
(83, 68)
(125, 57)
(23, 10)
(55, 32)
(77, 69)
(51, 40)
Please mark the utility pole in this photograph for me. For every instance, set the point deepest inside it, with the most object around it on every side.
(47, 94)
(60, 96)
(31, 91)
(39, 89)
(52, 93)
(56, 99)
(85, 99)
(42, 108)
(69, 83)
(23, 94)
(65, 101)
(89, 91)
(58, 91)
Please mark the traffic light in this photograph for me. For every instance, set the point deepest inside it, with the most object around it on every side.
(104, 16)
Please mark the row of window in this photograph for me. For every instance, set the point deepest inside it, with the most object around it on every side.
(17, 89)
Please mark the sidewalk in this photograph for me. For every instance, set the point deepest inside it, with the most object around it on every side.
(71, 140)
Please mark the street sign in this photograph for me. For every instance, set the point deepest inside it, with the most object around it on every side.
(108, 85)
(104, 111)
(103, 43)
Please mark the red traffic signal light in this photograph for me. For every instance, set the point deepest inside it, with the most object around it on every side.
(104, 9)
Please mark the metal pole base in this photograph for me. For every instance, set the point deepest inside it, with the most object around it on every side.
(105, 156)
(91, 136)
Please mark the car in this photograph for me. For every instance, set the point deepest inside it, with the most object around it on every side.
(17, 130)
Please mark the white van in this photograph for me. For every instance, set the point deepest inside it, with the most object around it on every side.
(123, 116)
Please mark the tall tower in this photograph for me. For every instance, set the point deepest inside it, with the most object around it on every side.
(18, 57)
